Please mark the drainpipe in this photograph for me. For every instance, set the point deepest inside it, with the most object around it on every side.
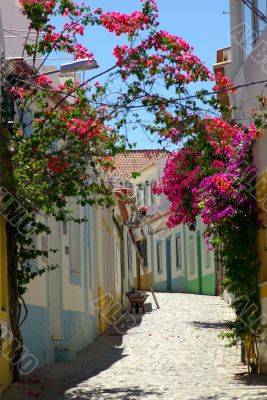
(121, 236)
(151, 234)
(122, 268)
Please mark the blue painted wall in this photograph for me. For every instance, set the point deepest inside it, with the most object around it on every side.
(160, 286)
(36, 333)
(179, 284)
(79, 329)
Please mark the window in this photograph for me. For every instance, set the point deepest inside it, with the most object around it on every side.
(44, 247)
(75, 242)
(118, 259)
(262, 7)
(191, 255)
(146, 194)
(143, 251)
(65, 227)
(129, 253)
(139, 194)
(35, 245)
(207, 254)
(27, 122)
(178, 249)
(153, 196)
(249, 29)
(254, 25)
(159, 257)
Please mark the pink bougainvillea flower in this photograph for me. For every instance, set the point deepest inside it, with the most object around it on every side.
(57, 164)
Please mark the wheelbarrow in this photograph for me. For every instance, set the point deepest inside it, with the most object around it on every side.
(137, 300)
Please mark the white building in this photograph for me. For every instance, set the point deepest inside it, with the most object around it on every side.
(177, 259)
(246, 64)
(71, 305)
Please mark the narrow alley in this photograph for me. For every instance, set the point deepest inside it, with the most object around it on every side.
(173, 353)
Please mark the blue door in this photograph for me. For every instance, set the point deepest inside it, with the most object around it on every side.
(169, 264)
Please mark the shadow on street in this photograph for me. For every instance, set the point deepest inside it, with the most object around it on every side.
(210, 325)
(65, 380)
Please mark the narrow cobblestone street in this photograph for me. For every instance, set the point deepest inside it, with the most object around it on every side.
(172, 354)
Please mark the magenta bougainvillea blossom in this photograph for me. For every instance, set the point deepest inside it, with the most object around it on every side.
(210, 175)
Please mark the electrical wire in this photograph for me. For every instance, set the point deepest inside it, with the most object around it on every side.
(196, 96)
(16, 35)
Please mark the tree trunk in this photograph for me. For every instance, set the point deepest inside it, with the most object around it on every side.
(7, 183)
(14, 307)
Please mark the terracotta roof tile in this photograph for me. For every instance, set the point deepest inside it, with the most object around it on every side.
(136, 161)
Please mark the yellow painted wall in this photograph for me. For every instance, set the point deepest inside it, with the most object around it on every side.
(262, 202)
(109, 309)
(5, 368)
(135, 282)
(145, 281)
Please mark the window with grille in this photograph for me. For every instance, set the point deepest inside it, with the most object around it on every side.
(262, 7)
(254, 22)
(75, 241)
(178, 249)
(191, 255)
(159, 256)
(143, 248)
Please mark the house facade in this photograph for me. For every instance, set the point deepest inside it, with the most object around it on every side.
(247, 67)
(62, 310)
(146, 164)
(10, 47)
(13, 29)
(177, 260)
(69, 307)
(182, 261)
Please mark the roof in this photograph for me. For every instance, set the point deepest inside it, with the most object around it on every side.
(136, 160)
(19, 65)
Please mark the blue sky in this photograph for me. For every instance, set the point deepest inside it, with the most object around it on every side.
(202, 23)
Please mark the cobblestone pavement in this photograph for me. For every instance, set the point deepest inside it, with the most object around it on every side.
(172, 354)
